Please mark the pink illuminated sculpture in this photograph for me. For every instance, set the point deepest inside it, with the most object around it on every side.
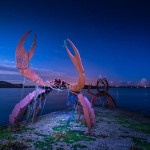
(32, 102)
(21, 108)
(30, 105)
(88, 111)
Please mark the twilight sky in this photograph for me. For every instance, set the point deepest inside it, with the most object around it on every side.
(113, 38)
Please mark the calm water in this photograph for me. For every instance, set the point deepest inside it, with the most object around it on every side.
(137, 100)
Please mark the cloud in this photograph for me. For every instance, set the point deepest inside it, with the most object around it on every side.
(7, 63)
(49, 74)
(111, 82)
(143, 82)
(9, 72)
(6, 69)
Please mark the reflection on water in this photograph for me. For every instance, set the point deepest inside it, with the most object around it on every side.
(132, 99)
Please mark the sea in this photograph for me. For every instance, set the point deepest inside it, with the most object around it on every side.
(130, 99)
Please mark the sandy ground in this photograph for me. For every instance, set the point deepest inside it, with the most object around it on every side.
(113, 130)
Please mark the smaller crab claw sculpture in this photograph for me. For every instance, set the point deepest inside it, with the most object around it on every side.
(88, 111)
(109, 99)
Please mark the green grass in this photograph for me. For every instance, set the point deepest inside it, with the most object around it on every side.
(42, 145)
(45, 144)
(141, 143)
(75, 136)
(62, 122)
(61, 128)
(58, 136)
(5, 133)
(121, 120)
(63, 134)
(27, 129)
(24, 129)
(141, 127)
(145, 127)
(73, 119)
(69, 137)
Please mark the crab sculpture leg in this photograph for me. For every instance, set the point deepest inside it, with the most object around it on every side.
(76, 89)
(94, 96)
(21, 108)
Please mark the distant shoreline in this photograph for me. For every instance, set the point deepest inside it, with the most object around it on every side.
(4, 84)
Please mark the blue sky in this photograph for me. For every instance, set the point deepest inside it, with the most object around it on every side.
(113, 38)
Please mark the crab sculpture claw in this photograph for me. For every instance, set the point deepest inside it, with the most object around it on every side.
(89, 115)
(78, 65)
(23, 58)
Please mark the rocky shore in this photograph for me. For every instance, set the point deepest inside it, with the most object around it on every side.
(113, 130)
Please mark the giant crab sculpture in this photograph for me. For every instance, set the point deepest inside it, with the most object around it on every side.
(100, 93)
(28, 107)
